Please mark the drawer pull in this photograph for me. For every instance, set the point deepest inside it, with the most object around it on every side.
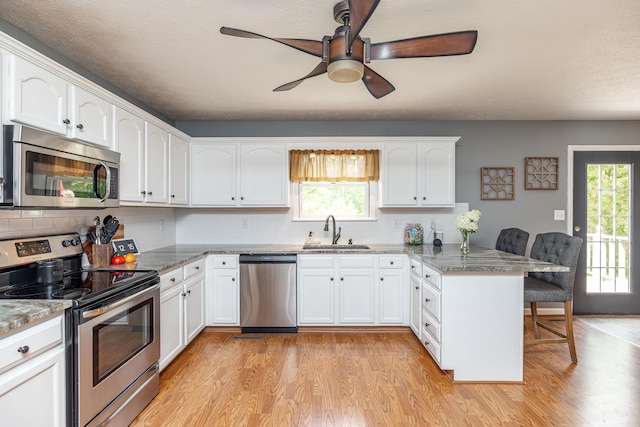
(224, 262)
(413, 266)
(197, 267)
(173, 279)
(426, 325)
(426, 276)
(189, 291)
(391, 263)
(382, 279)
(426, 343)
(427, 300)
(233, 279)
(24, 349)
(417, 287)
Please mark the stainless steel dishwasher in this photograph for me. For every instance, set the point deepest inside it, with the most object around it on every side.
(268, 293)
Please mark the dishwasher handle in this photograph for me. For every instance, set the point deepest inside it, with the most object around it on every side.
(268, 258)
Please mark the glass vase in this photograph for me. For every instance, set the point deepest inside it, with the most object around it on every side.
(464, 247)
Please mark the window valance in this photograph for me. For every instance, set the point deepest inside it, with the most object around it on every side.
(334, 165)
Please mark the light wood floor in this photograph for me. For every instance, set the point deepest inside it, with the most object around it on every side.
(367, 379)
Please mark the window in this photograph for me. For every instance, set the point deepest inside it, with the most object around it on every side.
(344, 200)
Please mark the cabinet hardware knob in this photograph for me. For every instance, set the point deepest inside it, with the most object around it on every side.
(197, 267)
(24, 349)
(427, 276)
(424, 198)
(241, 198)
(79, 126)
(143, 192)
(413, 266)
(189, 291)
(332, 279)
(417, 287)
(66, 121)
(173, 279)
(427, 300)
(426, 343)
(224, 262)
(391, 263)
(151, 193)
(233, 279)
(173, 196)
(426, 325)
(382, 279)
(184, 294)
(342, 279)
(415, 198)
(233, 198)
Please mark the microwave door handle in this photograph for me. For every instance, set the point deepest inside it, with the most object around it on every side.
(107, 191)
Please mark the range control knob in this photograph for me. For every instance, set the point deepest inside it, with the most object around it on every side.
(76, 242)
(66, 243)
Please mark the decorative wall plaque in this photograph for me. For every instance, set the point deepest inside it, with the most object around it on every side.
(497, 183)
(541, 173)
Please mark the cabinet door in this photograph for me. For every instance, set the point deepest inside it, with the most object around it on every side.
(194, 308)
(37, 97)
(437, 162)
(156, 164)
(222, 298)
(357, 296)
(43, 378)
(91, 118)
(178, 172)
(263, 175)
(416, 305)
(171, 325)
(128, 138)
(399, 175)
(391, 297)
(213, 174)
(316, 297)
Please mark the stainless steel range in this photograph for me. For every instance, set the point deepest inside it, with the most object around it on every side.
(113, 339)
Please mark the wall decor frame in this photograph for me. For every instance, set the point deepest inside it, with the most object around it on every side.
(497, 183)
(541, 173)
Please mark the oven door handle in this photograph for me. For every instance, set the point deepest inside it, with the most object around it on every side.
(107, 308)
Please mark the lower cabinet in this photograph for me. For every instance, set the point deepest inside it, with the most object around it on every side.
(415, 282)
(182, 310)
(223, 290)
(351, 290)
(38, 373)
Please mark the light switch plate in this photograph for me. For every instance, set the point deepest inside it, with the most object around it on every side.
(558, 215)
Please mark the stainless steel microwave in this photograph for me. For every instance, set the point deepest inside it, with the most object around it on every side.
(43, 170)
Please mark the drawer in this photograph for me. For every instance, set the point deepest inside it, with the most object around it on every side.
(315, 261)
(431, 344)
(225, 261)
(431, 324)
(431, 276)
(193, 268)
(431, 300)
(356, 261)
(391, 261)
(416, 267)
(37, 338)
(171, 278)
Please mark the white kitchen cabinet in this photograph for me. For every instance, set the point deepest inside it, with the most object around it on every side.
(415, 282)
(181, 309)
(42, 99)
(38, 373)
(156, 145)
(316, 297)
(392, 290)
(223, 290)
(178, 170)
(357, 296)
(128, 131)
(238, 174)
(418, 174)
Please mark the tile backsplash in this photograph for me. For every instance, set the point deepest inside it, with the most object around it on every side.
(151, 227)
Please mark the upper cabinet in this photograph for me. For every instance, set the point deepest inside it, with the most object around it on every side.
(39, 98)
(156, 164)
(178, 170)
(128, 132)
(238, 174)
(418, 174)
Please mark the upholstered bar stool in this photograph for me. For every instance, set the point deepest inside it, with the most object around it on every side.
(562, 249)
(512, 240)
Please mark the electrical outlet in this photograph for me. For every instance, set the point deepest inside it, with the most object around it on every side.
(433, 225)
(397, 223)
(245, 223)
(558, 215)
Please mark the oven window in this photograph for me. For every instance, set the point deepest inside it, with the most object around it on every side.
(60, 177)
(120, 338)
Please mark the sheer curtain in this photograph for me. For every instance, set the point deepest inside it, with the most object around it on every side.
(334, 165)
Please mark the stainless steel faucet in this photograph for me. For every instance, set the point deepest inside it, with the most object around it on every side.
(334, 240)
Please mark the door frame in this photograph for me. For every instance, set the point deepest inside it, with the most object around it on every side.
(571, 149)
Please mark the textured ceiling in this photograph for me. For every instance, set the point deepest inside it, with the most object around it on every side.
(534, 60)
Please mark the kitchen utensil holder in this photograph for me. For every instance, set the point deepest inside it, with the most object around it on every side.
(102, 255)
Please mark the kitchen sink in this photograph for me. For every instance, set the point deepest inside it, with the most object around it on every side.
(335, 247)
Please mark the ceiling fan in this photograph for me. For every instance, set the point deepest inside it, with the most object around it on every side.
(345, 54)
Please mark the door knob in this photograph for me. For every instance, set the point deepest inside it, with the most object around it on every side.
(576, 228)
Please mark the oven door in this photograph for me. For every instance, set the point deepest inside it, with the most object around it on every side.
(117, 344)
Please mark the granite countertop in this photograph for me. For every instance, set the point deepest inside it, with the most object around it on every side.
(446, 258)
(17, 313)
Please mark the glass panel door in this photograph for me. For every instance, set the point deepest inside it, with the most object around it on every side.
(604, 217)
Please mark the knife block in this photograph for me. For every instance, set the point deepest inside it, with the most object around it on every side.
(102, 255)
(119, 232)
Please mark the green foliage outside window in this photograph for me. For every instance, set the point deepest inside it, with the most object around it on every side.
(339, 199)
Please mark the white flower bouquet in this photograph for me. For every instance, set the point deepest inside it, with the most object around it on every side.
(467, 223)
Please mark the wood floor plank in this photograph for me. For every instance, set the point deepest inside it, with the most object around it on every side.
(388, 379)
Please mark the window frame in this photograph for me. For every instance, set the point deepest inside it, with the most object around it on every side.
(371, 196)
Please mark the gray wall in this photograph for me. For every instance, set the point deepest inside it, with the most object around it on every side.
(483, 143)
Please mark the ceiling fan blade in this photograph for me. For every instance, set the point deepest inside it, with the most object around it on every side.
(312, 47)
(377, 85)
(359, 13)
(459, 43)
(321, 68)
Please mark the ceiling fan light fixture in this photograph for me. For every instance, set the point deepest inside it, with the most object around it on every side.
(345, 70)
